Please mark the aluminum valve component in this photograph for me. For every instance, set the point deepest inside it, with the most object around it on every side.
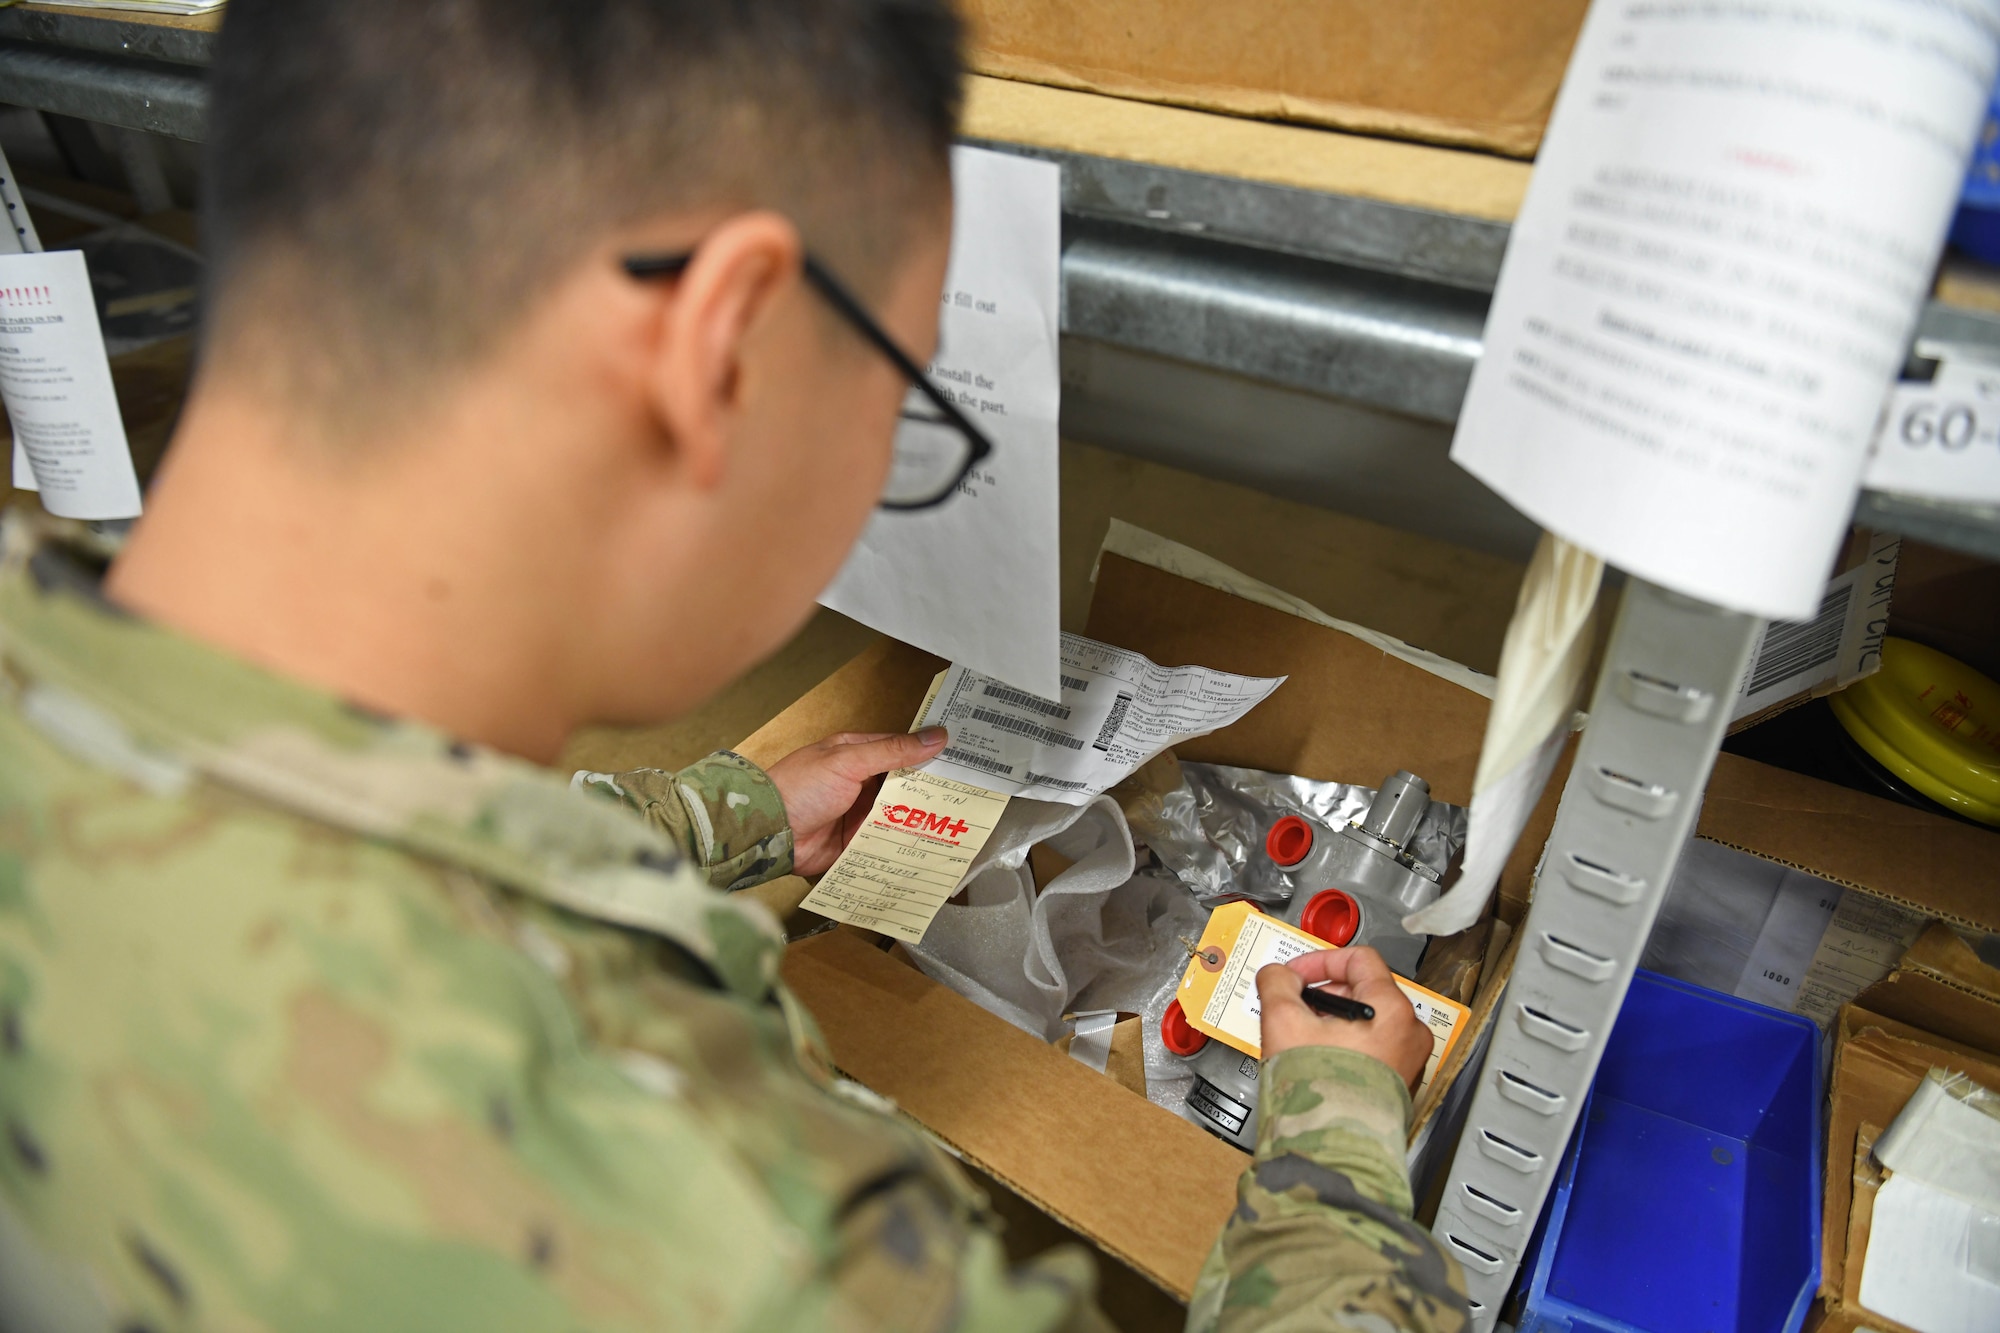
(1353, 886)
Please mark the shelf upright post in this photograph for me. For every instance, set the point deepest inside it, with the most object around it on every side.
(1661, 704)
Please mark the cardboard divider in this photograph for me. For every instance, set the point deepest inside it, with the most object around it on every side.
(1147, 1186)
(1934, 864)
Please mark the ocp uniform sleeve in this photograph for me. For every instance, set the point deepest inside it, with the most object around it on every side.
(723, 812)
(1322, 1236)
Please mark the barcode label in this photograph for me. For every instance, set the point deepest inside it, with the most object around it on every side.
(1113, 722)
(1792, 648)
(1008, 695)
(1034, 779)
(978, 761)
(1022, 727)
(1072, 683)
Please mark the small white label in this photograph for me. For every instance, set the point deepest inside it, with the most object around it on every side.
(1942, 439)
(57, 384)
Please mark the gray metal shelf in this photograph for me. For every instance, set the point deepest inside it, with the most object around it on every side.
(1368, 305)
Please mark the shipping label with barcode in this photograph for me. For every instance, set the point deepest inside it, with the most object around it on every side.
(1117, 710)
(1839, 645)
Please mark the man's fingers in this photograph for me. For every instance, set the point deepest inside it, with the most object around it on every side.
(885, 754)
(1278, 984)
(854, 738)
(1352, 968)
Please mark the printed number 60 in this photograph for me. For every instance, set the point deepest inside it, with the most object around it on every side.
(1951, 428)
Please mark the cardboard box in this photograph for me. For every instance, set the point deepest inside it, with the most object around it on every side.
(1145, 1185)
(1880, 1057)
(1481, 73)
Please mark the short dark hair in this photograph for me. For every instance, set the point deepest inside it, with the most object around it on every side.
(393, 181)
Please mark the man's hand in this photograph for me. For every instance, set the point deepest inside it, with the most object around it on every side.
(828, 787)
(1395, 1036)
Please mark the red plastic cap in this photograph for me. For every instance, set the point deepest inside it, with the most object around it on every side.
(1331, 916)
(1179, 1034)
(1289, 841)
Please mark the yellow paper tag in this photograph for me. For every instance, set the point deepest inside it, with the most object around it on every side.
(910, 855)
(1219, 991)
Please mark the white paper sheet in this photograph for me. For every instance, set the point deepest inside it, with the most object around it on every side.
(17, 237)
(1115, 710)
(1933, 1260)
(1709, 289)
(976, 580)
(1942, 439)
(57, 385)
(1790, 938)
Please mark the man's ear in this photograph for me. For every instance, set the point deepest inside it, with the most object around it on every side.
(742, 268)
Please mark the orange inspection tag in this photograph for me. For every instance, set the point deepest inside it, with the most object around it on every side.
(1219, 992)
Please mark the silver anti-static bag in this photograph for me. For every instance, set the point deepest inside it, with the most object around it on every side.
(1210, 830)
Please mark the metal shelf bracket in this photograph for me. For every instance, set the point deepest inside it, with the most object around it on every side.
(1656, 721)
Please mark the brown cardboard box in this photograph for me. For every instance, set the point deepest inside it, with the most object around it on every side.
(1147, 1186)
(1879, 1059)
(1144, 1184)
(1481, 73)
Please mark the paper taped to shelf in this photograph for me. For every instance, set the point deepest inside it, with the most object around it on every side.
(1710, 287)
(1220, 998)
(975, 580)
(57, 384)
(1116, 710)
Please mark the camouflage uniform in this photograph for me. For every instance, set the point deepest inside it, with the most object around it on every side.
(315, 1020)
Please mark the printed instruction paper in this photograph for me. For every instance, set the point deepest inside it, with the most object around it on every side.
(56, 383)
(1111, 712)
(976, 579)
(1709, 290)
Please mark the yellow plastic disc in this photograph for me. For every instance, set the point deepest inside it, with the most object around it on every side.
(1933, 722)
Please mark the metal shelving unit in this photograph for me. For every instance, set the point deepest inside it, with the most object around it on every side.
(1316, 306)
(1308, 315)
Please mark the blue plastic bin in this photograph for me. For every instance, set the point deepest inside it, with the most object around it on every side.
(1689, 1200)
(1976, 228)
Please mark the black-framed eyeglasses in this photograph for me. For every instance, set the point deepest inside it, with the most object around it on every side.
(937, 447)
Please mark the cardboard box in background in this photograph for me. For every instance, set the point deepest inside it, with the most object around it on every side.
(1940, 1008)
(1476, 73)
